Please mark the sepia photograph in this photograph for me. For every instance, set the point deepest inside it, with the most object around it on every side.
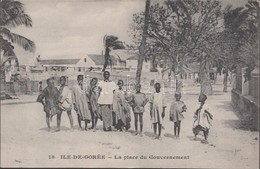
(129, 83)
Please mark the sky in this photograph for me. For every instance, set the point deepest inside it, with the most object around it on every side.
(74, 28)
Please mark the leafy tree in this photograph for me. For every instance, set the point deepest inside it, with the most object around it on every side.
(184, 31)
(238, 42)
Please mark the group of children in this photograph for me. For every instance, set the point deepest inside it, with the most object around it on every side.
(94, 101)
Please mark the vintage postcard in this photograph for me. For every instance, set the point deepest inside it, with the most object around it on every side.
(130, 83)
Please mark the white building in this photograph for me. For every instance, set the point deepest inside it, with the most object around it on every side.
(132, 63)
(86, 63)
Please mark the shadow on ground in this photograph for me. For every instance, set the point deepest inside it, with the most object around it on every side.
(149, 134)
(62, 128)
(240, 125)
(169, 135)
(199, 138)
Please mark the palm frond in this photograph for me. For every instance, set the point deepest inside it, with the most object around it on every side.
(10, 9)
(109, 40)
(22, 19)
(6, 33)
(6, 47)
(27, 44)
(118, 45)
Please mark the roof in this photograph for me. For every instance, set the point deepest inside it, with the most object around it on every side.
(133, 57)
(59, 61)
(123, 54)
(193, 67)
(99, 59)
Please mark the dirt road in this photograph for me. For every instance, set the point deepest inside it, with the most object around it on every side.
(25, 141)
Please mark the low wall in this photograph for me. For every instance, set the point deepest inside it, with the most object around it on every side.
(247, 107)
(21, 87)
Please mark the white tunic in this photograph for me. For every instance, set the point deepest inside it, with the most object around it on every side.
(106, 94)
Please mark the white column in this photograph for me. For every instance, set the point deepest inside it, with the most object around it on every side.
(245, 85)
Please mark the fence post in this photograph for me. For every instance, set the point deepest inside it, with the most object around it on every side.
(2, 81)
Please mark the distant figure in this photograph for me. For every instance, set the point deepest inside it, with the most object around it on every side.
(157, 110)
(196, 78)
(203, 118)
(40, 86)
(176, 110)
(139, 100)
(49, 99)
(80, 102)
(65, 101)
(105, 101)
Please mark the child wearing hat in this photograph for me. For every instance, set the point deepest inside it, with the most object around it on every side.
(176, 110)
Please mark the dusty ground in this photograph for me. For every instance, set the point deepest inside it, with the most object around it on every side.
(25, 141)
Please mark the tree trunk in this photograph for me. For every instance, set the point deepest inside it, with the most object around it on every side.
(107, 59)
(225, 79)
(153, 63)
(205, 85)
(216, 78)
(143, 42)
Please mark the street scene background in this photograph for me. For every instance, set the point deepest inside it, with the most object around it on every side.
(192, 47)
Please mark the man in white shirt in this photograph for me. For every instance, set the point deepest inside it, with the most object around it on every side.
(105, 101)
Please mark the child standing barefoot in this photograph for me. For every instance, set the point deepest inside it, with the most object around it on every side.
(157, 110)
(139, 100)
(93, 94)
(176, 110)
(203, 118)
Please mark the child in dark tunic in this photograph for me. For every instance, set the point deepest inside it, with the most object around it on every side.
(49, 99)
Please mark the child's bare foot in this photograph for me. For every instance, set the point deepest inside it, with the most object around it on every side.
(141, 134)
(204, 141)
(155, 137)
(94, 130)
(81, 129)
(135, 133)
(57, 130)
(159, 138)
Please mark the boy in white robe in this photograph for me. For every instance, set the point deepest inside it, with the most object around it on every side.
(157, 110)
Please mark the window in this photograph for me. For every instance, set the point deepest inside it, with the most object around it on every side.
(85, 59)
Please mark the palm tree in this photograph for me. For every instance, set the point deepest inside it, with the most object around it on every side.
(12, 14)
(111, 43)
